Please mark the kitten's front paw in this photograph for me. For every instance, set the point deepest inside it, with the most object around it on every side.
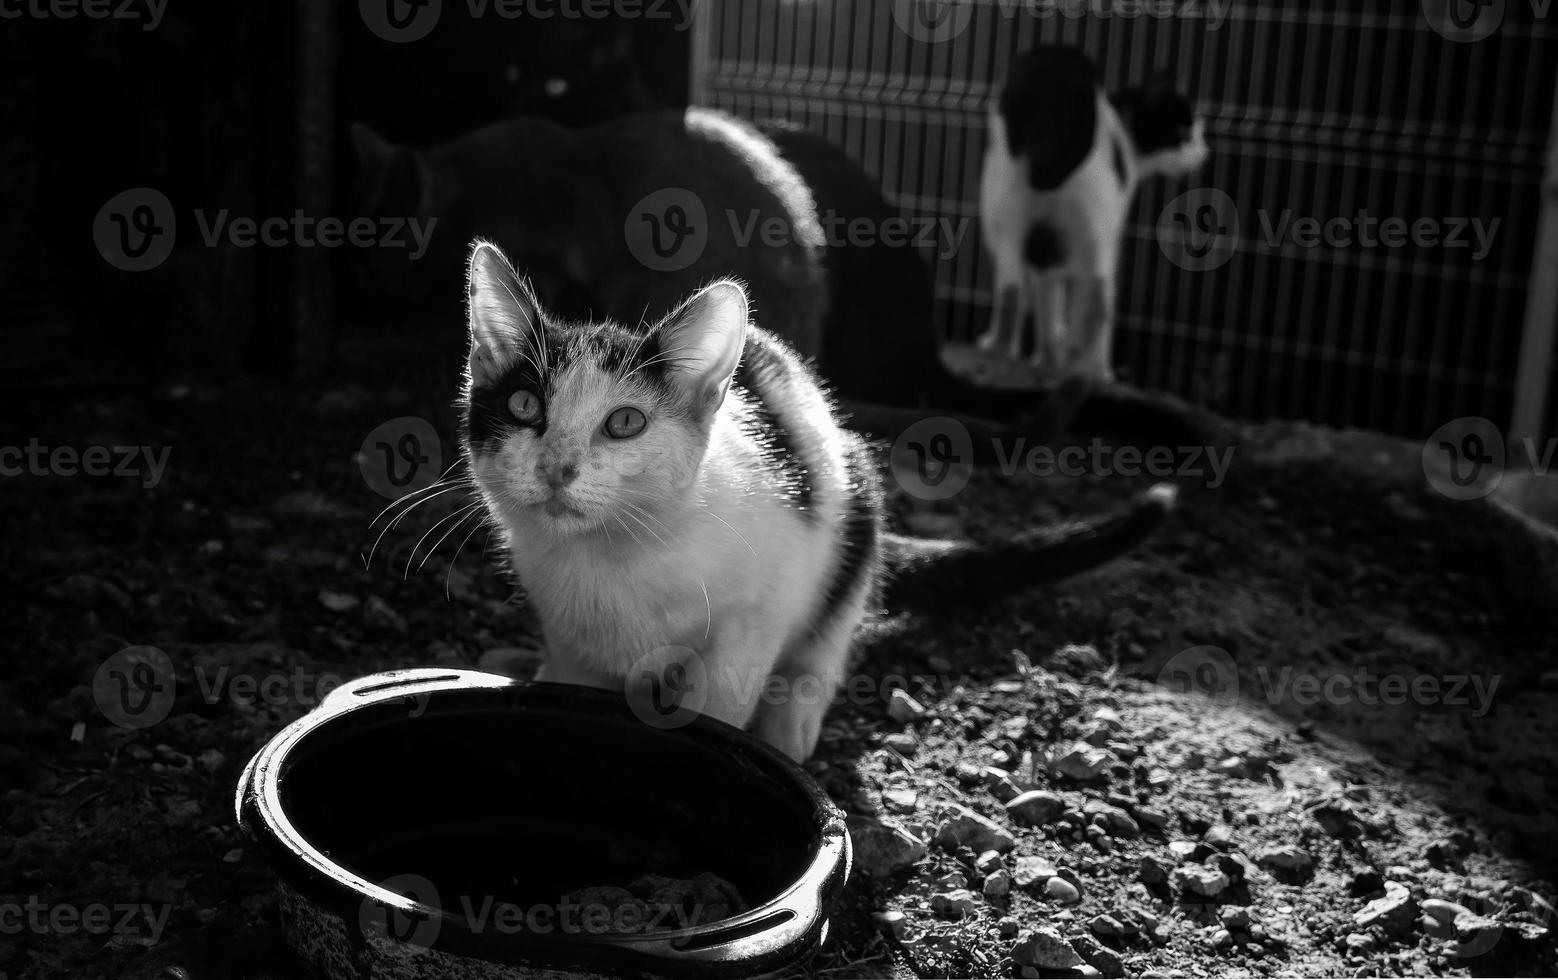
(792, 728)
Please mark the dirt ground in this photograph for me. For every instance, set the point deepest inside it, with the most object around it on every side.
(1199, 809)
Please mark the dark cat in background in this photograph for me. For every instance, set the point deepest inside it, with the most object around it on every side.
(582, 213)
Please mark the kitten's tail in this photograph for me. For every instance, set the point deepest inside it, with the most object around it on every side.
(926, 573)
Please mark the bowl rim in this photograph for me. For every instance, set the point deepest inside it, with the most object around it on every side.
(765, 937)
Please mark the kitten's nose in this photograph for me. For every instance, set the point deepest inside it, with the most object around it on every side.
(559, 473)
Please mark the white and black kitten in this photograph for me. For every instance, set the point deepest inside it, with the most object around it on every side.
(686, 486)
(1061, 167)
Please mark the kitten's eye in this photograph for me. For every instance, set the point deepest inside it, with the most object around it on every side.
(525, 406)
(624, 423)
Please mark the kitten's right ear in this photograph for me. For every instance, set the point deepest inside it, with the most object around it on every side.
(502, 312)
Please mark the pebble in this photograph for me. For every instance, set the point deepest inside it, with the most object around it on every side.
(882, 849)
(1035, 807)
(1443, 911)
(1198, 879)
(1338, 819)
(1234, 917)
(1098, 956)
(900, 800)
(1294, 861)
(1083, 762)
(1183, 850)
(998, 884)
(963, 827)
(1002, 787)
(1360, 944)
(1156, 819)
(1394, 912)
(892, 922)
(954, 904)
(1060, 890)
(1106, 925)
(1033, 871)
(1007, 927)
(1045, 948)
(902, 708)
(989, 862)
(338, 601)
(1118, 823)
(1154, 871)
(1222, 938)
(902, 742)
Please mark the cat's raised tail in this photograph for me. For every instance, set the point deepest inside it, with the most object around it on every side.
(925, 573)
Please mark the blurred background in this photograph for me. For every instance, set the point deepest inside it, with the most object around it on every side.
(1437, 110)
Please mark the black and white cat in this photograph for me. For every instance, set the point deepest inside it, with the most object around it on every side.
(682, 490)
(1062, 165)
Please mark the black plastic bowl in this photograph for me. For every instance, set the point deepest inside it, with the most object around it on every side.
(429, 823)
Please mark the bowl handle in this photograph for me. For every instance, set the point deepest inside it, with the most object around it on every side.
(411, 681)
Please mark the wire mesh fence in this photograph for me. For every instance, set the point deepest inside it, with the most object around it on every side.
(1370, 263)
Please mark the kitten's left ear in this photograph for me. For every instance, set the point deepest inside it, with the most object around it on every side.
(503, 314)
(703, 340)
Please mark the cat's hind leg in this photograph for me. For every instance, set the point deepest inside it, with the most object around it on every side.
(1091, 351)
(1006, 320)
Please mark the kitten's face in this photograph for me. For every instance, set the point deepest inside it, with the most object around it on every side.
(576, 428)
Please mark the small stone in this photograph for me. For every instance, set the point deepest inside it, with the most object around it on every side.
(1007, 927)
(1183, 850)
(1033, 872)
(1035, 808)
(1235, 917)
(1045, 948)
(904, 709)
(1153, 870)
(1219, 836)
(965, 828)
(882, 849)
(1292, 863)
(954, 904)
(1445, 856)
(1394, 912)
(1360, 944)
(1109, 718)
(998, 884)
(1442, 911)
(1198, 879)
(338, 601)
(1083, 762)
(1222, 938)
(1060, 890)
(989, 862)
(1156, 819)
(1118, 823)
(893, 922)
(1098, 956)
(900, 800)
(902, 742)
(1106, 925)
(1002, 787)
